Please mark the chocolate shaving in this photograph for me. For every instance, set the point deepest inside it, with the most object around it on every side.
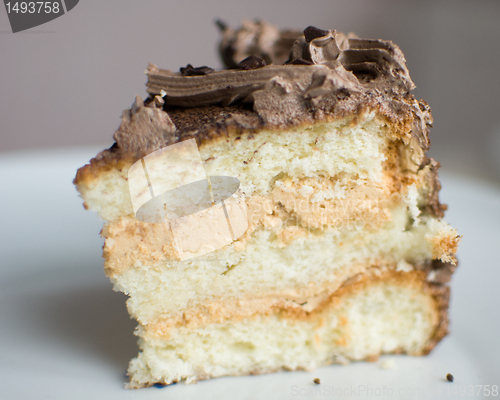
(252, 62)
(299, 61)
(311, 33)
(221, 25)
(189, 70)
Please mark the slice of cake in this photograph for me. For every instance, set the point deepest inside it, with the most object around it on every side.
(278, 215)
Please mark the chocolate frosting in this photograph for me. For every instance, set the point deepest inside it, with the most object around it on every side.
(279, 78)
(337, 62)
(151, 122)
(255, 38)
(326, 73)
(433, 205)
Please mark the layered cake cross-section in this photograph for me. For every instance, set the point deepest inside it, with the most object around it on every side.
(293, 219)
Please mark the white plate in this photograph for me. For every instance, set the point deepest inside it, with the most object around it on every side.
(65, 334)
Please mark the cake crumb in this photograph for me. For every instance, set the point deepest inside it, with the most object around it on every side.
(449, 377)
(317, 381)
(388, 364)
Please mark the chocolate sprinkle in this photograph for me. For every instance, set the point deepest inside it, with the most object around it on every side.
(311, 33)
(449, 377)
(252, 62)
(189, 70)
(316, 381)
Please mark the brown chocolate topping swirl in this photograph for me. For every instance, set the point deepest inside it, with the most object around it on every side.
(328, 74)
(352, 64)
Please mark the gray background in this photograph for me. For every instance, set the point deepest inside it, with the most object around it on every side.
(65, 83)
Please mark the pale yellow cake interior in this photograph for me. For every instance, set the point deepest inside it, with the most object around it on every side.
(326, 202)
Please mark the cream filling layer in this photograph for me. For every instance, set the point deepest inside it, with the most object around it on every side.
(162, 290)
(294, 208)
(394, 313)
(295, 303)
